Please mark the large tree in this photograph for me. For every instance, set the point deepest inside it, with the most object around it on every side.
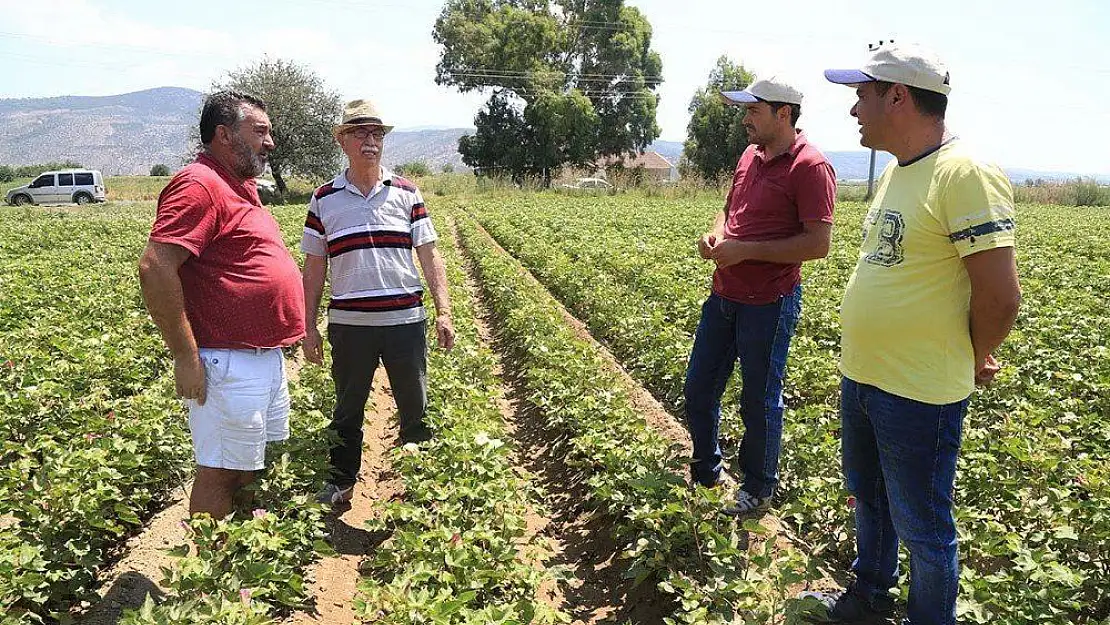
(302, 110)
(571, 80)
(715, 137)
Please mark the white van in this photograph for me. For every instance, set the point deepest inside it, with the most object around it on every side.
(79, 186)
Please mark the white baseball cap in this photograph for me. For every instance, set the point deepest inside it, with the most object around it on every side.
(905, 64)
(771, 89)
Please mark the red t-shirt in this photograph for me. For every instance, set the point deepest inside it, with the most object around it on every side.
(771, 200)
(242, 287)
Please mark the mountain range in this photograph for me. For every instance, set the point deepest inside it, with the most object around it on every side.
(129, 133)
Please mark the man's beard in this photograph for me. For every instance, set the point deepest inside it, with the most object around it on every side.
(248, 163)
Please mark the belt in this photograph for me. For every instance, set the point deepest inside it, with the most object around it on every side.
(258, 351)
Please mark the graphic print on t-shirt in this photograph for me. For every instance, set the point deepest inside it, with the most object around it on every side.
(889, 250)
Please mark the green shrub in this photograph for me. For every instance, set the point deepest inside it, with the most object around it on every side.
(414, 169)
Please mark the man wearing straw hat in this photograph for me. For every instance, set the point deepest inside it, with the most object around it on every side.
(364, 226)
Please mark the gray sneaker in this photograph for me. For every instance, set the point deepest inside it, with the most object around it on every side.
(847, 606)
(747, 503)
(332, 494)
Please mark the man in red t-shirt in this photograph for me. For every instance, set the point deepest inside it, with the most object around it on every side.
(226, 295)
(778, 214)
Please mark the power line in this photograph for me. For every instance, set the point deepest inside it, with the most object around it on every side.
(509, 73)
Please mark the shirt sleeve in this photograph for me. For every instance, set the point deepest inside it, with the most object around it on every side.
(978, 209)
(815, 192)
(314, 241)
(423, 232)
(732, 187)
(186, 217)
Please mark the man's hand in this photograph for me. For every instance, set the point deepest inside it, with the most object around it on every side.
(706, 244)
(727, 253)
(313, 346)
(986, 371)
(188, 375)
(445, 332)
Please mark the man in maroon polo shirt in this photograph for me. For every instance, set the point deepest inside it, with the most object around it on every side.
(226, 295)
(778, 214)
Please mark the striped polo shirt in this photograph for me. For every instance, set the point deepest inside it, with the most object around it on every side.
(368, 241)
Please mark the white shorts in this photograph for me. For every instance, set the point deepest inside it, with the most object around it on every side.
(247, 406)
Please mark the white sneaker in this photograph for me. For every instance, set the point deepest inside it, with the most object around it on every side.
(747, 503)
(332, 494)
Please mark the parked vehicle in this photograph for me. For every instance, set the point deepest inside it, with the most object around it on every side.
(589, 183)
(79, 186)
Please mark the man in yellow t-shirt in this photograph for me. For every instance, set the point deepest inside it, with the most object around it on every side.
(934, 293)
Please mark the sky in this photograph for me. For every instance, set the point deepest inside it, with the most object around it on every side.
(1030, 80)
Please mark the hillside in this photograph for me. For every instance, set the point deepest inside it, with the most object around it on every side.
(128, 133)
(122, 134)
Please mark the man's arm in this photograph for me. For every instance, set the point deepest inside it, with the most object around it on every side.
(165, 300)
(312, 277)
(435, 273)
(995, 299)
(811, 243)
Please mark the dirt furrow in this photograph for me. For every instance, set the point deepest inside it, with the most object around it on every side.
(334, 579)
(595, 590)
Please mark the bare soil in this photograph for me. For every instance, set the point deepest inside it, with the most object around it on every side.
(334, 579)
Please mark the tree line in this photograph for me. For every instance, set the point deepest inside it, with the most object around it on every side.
(569, 82)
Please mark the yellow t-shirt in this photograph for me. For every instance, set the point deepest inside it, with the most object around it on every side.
(905, 318)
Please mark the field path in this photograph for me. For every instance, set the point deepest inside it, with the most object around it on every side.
(595, 590)
(127, 584)
(334, 579)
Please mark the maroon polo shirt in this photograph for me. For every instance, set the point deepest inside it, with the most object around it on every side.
(241, 286)
(771, 199)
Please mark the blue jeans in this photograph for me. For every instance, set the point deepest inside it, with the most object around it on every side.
(759, 336)
(900, 463)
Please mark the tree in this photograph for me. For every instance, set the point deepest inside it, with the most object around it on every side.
(302, 110)
(160, 170)
(7, 174)
(715, 137)
(413, 169)
(31, 171)
(447, 168)
(571, 80)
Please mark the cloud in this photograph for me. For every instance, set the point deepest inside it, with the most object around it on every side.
(78, 23)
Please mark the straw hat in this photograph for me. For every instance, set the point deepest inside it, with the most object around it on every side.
(360, 113)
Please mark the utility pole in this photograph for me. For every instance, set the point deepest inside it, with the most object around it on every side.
(871, 47)
(871, 177)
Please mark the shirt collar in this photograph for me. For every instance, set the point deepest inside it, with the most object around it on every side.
(927, 153)
(341, 181)
(795, 147)
(225, 173)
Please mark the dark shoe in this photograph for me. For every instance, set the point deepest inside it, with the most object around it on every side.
(847, 606)
(416, 434)
(712, 480)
